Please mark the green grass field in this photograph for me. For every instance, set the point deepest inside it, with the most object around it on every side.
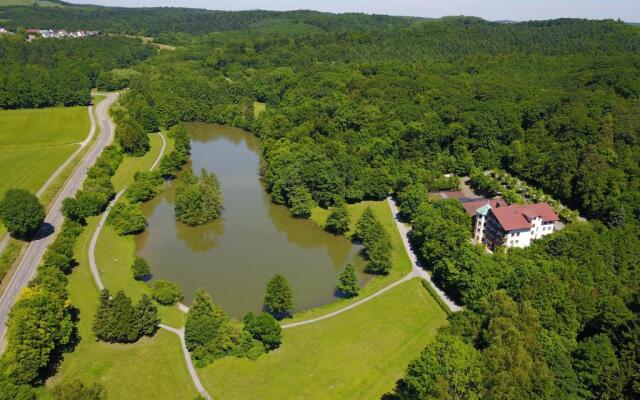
(356, 355)
(43, 126)
(35, 142)
(258, 108)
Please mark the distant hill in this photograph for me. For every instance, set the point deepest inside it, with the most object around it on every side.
(38, 3)
(153, 21)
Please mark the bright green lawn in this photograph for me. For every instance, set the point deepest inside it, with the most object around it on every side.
(124, 176)
(356, 355)
(152, 368)
(43, 126)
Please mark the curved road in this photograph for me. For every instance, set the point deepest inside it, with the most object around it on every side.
(416, 272)
(35, 250)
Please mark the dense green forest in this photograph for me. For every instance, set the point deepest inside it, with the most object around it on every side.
(358, 115)
(60, 72)
(166, 20)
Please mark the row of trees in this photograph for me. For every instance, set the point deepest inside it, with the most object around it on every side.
(41, 326)
(376, 241)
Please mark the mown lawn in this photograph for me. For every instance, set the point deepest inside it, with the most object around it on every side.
(356, 355)
(43, 126)
(152, 368)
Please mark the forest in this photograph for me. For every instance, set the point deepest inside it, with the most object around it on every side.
(46, 73)
(359, 115)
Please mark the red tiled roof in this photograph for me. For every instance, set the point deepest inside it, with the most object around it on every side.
(472, 206)
(520, 216)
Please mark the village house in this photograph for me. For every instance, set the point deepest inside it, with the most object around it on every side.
(498, 224)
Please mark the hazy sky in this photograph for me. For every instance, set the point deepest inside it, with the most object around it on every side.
(628, 10)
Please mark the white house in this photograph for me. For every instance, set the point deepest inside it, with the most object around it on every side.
(513, 226)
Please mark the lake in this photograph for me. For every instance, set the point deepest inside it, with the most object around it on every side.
(234, 256)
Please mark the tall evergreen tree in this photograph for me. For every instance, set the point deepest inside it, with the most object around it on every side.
(204, 320)
(338, 220)
(278, 300)
(348, 282)
(146, 316)
(101, 321)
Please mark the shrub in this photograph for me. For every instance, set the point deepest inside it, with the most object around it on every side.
(140, 268)
(127, 219)
(21, 213)
(264, 328)
(165, 292)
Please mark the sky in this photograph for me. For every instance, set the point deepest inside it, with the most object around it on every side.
(627, 10)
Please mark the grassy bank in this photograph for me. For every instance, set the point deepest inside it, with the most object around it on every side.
(356, 355)
(401, 265)
(154, 366)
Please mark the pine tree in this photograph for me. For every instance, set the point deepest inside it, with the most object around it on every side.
(204, 321)
(146, 316)
(123, 327)
(278, 300)
(348, 282)
(338, 221)
(103, 314)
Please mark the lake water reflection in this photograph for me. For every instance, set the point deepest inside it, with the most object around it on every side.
(234, 256)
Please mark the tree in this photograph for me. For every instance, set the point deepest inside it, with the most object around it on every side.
(123, 328)
(146, 186)
(348, 282)
(165, 292)
(198, 200)
(21, 213)
(338, 220)
(410, 198)
(101, 319)
(278, 300)
(132, 138)
(264, 328)
(205, 322)
(127, 219)
(447, 369)
(300, 202)
(146, 316)
(76, 390)
(140, 268)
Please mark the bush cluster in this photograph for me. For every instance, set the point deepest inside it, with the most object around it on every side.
(209, 335)
(166, 292)
(376, 242)
(127, 219)
(198, 199)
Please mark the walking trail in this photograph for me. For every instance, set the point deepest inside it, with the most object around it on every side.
(416, 272)
(96, 276)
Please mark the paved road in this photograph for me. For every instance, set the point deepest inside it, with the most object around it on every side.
(187, 358)
(94, 239)
(35, 250)
(92, 130)
(416, 272)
